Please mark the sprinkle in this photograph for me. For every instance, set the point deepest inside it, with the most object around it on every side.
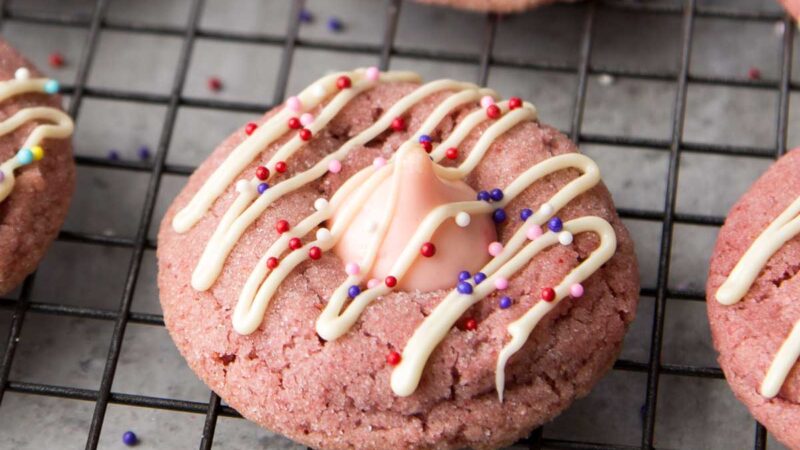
(294, 123)
(25, 156)
(52, 87)
(315, 253)
(242, 186)
(335, 166)
(470, 324)
(464, 287)
(129, 438)
(282, 226)
(393, 358)
(353, 291)
(754, 74)
(525, 214)
(493, 111)
(565, 237)
(373, 283)
(555, 225)
(319, 91)
(427, 146)
(533, 232)
(379, 162)
(55, 59)
(487, 101)
(262, 187)
(424, 138)
(335, 25)
(38, 152)
(373, 74)
(214, 84)
(576, 290)
(505, 302)
(352, 268)
(484, 196)
(306, 16)
(324, 235)
(495, 248)
(451, 153)
(343, 82)
(280, 166)
(496, 194)
(390, 281)
(320, 204)
(113, 155)
(262, 173)
(22, 74)
(605, 79)
(514, 103)
(428, 249)
(548, 294)
(294, 104)
(464, 275)
(479, 277)
(295, 243)
(501, 283)
(305, 134)
(144, 153)
(307, 119)
(272, 262)
(399, 124)
(499, 215)
(250, 128)
(463, 219)
(546, 209)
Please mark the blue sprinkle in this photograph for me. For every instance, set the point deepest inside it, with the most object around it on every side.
(496, 194)
(25, 156)
(555, 225)
(464, 275)
(262, 187)
(51, 86)
(479, 277)
(129, 438)
(505, 302)
(144, 152)
(353, 291)
(525, 214)
(464, 287)
(306, 16)
(113, 155)
(484, 196)
(334, 24)
(424, 138)
(499, 215)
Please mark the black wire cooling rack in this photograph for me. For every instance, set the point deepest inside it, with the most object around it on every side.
(383, 53)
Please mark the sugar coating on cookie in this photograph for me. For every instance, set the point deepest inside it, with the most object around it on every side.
(268, 269)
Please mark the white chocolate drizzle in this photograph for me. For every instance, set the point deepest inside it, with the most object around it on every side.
(341, 312)
(59, 125)
(735, 287)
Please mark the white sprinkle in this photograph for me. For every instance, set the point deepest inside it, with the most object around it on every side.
(22, 73)
(324, 235)
(320, 204)
(565, 237)
(319, 90)
(242, 186)
(605, 79)
(546, 209)
(463, 219)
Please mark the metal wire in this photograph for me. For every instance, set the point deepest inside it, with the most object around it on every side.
(485, 60)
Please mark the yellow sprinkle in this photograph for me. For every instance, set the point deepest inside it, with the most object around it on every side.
(38, 152)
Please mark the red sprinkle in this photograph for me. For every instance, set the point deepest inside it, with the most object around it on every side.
(282, 226)
(250, 128)
(215, 84)
(428, 249)
(393, 358)
(343, 82)
(493, 111)
(548, 294)
(470, 324)
(399, 124)
(294, 123)
(56, 59)
(272, 262)
(280, 166)
(295, 243)
(427, 146)
(305, 134)
(390, 281)
(451, 153)
(262, 173)
(754, 73)
(314, 252)
(514, 103)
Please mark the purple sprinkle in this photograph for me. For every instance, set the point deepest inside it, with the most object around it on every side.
(464, 287)
(499, 215)
(353, 291)
(484, 196)
(144, 153)
(505, 302)
(129, 438)
(334, 24)
(525, 214)
(306, 16)
(479, 277)
(464, 275)
(262, 187)
(496, 194)
(424, 138)
(555, 225)
(113, 155)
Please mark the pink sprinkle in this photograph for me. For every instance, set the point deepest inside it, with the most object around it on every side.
(379, 162)
(500, 283)
(495, 248)
(306, 119)
(352, 268)
(373, 73)
(534, 232)
(373, 282)
(576, 290)
(487, 101)
(335, 166)
(293, 103)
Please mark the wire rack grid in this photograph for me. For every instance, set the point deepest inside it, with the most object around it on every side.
(675, 146)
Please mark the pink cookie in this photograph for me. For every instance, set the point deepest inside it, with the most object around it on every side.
(34, 202)
(499, 6)
(338, 394)
(749, 333)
